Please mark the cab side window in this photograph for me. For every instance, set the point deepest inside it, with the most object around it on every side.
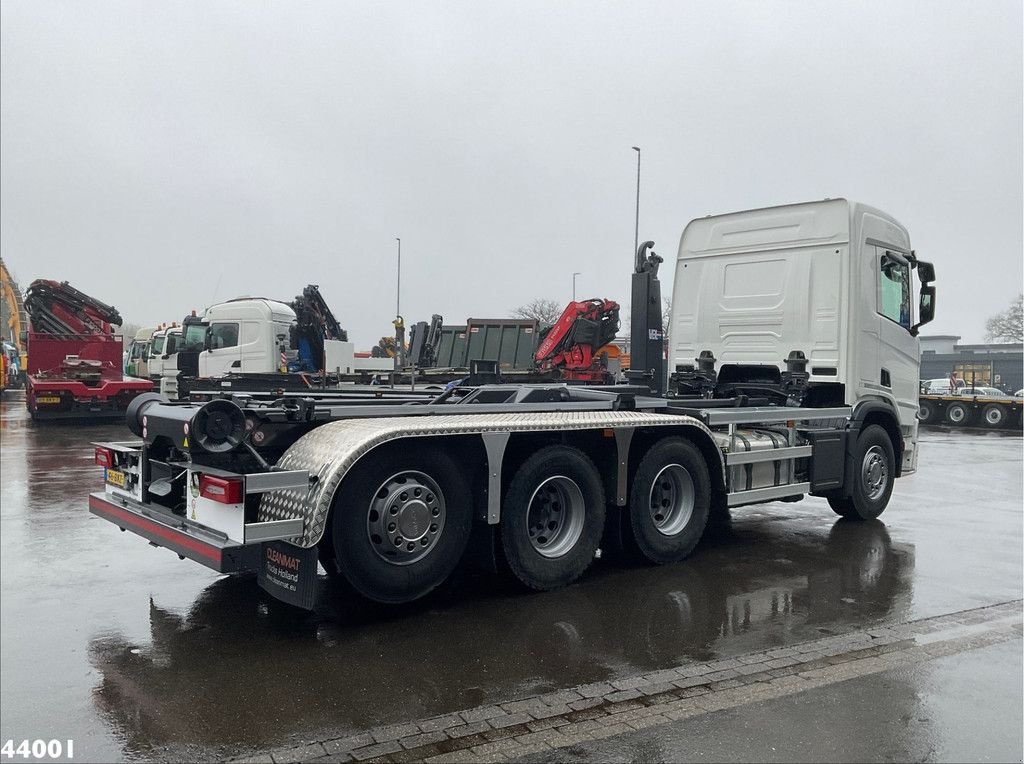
(223, 336)
(894, 291)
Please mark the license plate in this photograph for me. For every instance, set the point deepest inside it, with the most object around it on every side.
(48, 399)
(115, 477)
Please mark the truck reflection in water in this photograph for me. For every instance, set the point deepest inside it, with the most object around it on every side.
(240, 670)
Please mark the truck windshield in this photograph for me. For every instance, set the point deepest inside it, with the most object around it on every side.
(193, 337)
(157, 346)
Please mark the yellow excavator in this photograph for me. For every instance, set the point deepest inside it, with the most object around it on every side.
(12, 321)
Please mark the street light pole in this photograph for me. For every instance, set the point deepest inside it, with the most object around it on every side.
(398, 282)
(574, 275)
(399, 327)
(636, 230)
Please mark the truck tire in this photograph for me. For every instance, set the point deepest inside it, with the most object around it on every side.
(994, 415)
(958, 414)
(400, 523)
(874, 468)
(926, 412)
(669, 501)
(552, 518)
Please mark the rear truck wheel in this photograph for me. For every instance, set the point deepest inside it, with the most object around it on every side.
(993, 415)
(552, 518)
(926, 412)
(958, 414)
(401, 522)
(874, 465)
(670, 501)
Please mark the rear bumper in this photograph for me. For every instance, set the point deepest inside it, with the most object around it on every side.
(70, 399)
(163, 528)
(79, 411)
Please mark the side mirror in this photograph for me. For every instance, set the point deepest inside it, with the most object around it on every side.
(926, 308)
(925, 272)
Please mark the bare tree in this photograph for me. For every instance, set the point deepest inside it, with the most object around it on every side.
(1007, 326)
(543, 310)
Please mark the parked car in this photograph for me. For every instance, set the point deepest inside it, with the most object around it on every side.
(935, 386)
(987, 392)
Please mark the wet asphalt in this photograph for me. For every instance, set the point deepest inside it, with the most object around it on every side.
(136, 655)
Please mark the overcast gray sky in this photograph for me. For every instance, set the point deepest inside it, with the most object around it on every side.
(164, 155)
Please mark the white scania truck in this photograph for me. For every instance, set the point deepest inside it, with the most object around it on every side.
(257, 344)
(793, 345)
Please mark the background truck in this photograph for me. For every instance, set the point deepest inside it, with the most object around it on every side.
(794, 338)
(136, 363)
(13, 321)
(163, 347)
(966, 406)
(576, 348)
(74, 356)
(254, 343)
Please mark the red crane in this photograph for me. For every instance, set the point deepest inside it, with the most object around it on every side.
(74, 356)
(569, 346)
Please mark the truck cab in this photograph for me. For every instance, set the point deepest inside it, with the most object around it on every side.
(247, 335)
(830, 282)
(137, 362)
(163, 352)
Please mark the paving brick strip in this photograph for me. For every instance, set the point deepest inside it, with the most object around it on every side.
(603, 709)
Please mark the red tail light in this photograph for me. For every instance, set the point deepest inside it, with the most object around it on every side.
(104, 457)
(224, 490)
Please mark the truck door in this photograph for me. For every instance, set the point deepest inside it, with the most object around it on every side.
(156, 352)
(257, 347)
(134, 357)
(899, 351)
(222, 355)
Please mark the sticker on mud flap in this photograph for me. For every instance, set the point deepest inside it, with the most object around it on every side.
(288, 573)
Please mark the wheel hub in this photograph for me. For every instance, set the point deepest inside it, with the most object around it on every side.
(405, 517)
(671, 500)
(555, 517)
(874, 472)
(414, 520)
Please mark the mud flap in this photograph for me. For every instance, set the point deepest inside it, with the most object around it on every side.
(288, 573)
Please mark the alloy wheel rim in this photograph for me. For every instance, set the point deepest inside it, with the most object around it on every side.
(555, 516)
(405, 517)
(671, 499)
(874, 473)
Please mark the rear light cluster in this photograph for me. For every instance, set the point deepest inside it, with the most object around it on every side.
(104, 457)
(224, 490)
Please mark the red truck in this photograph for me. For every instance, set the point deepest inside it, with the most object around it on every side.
(74, 357)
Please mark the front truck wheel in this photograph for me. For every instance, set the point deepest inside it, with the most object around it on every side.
(401, 521)
(552, 518)
(669, 501)
(874, 464)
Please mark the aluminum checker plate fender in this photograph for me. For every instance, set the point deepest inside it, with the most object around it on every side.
(329, 451)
